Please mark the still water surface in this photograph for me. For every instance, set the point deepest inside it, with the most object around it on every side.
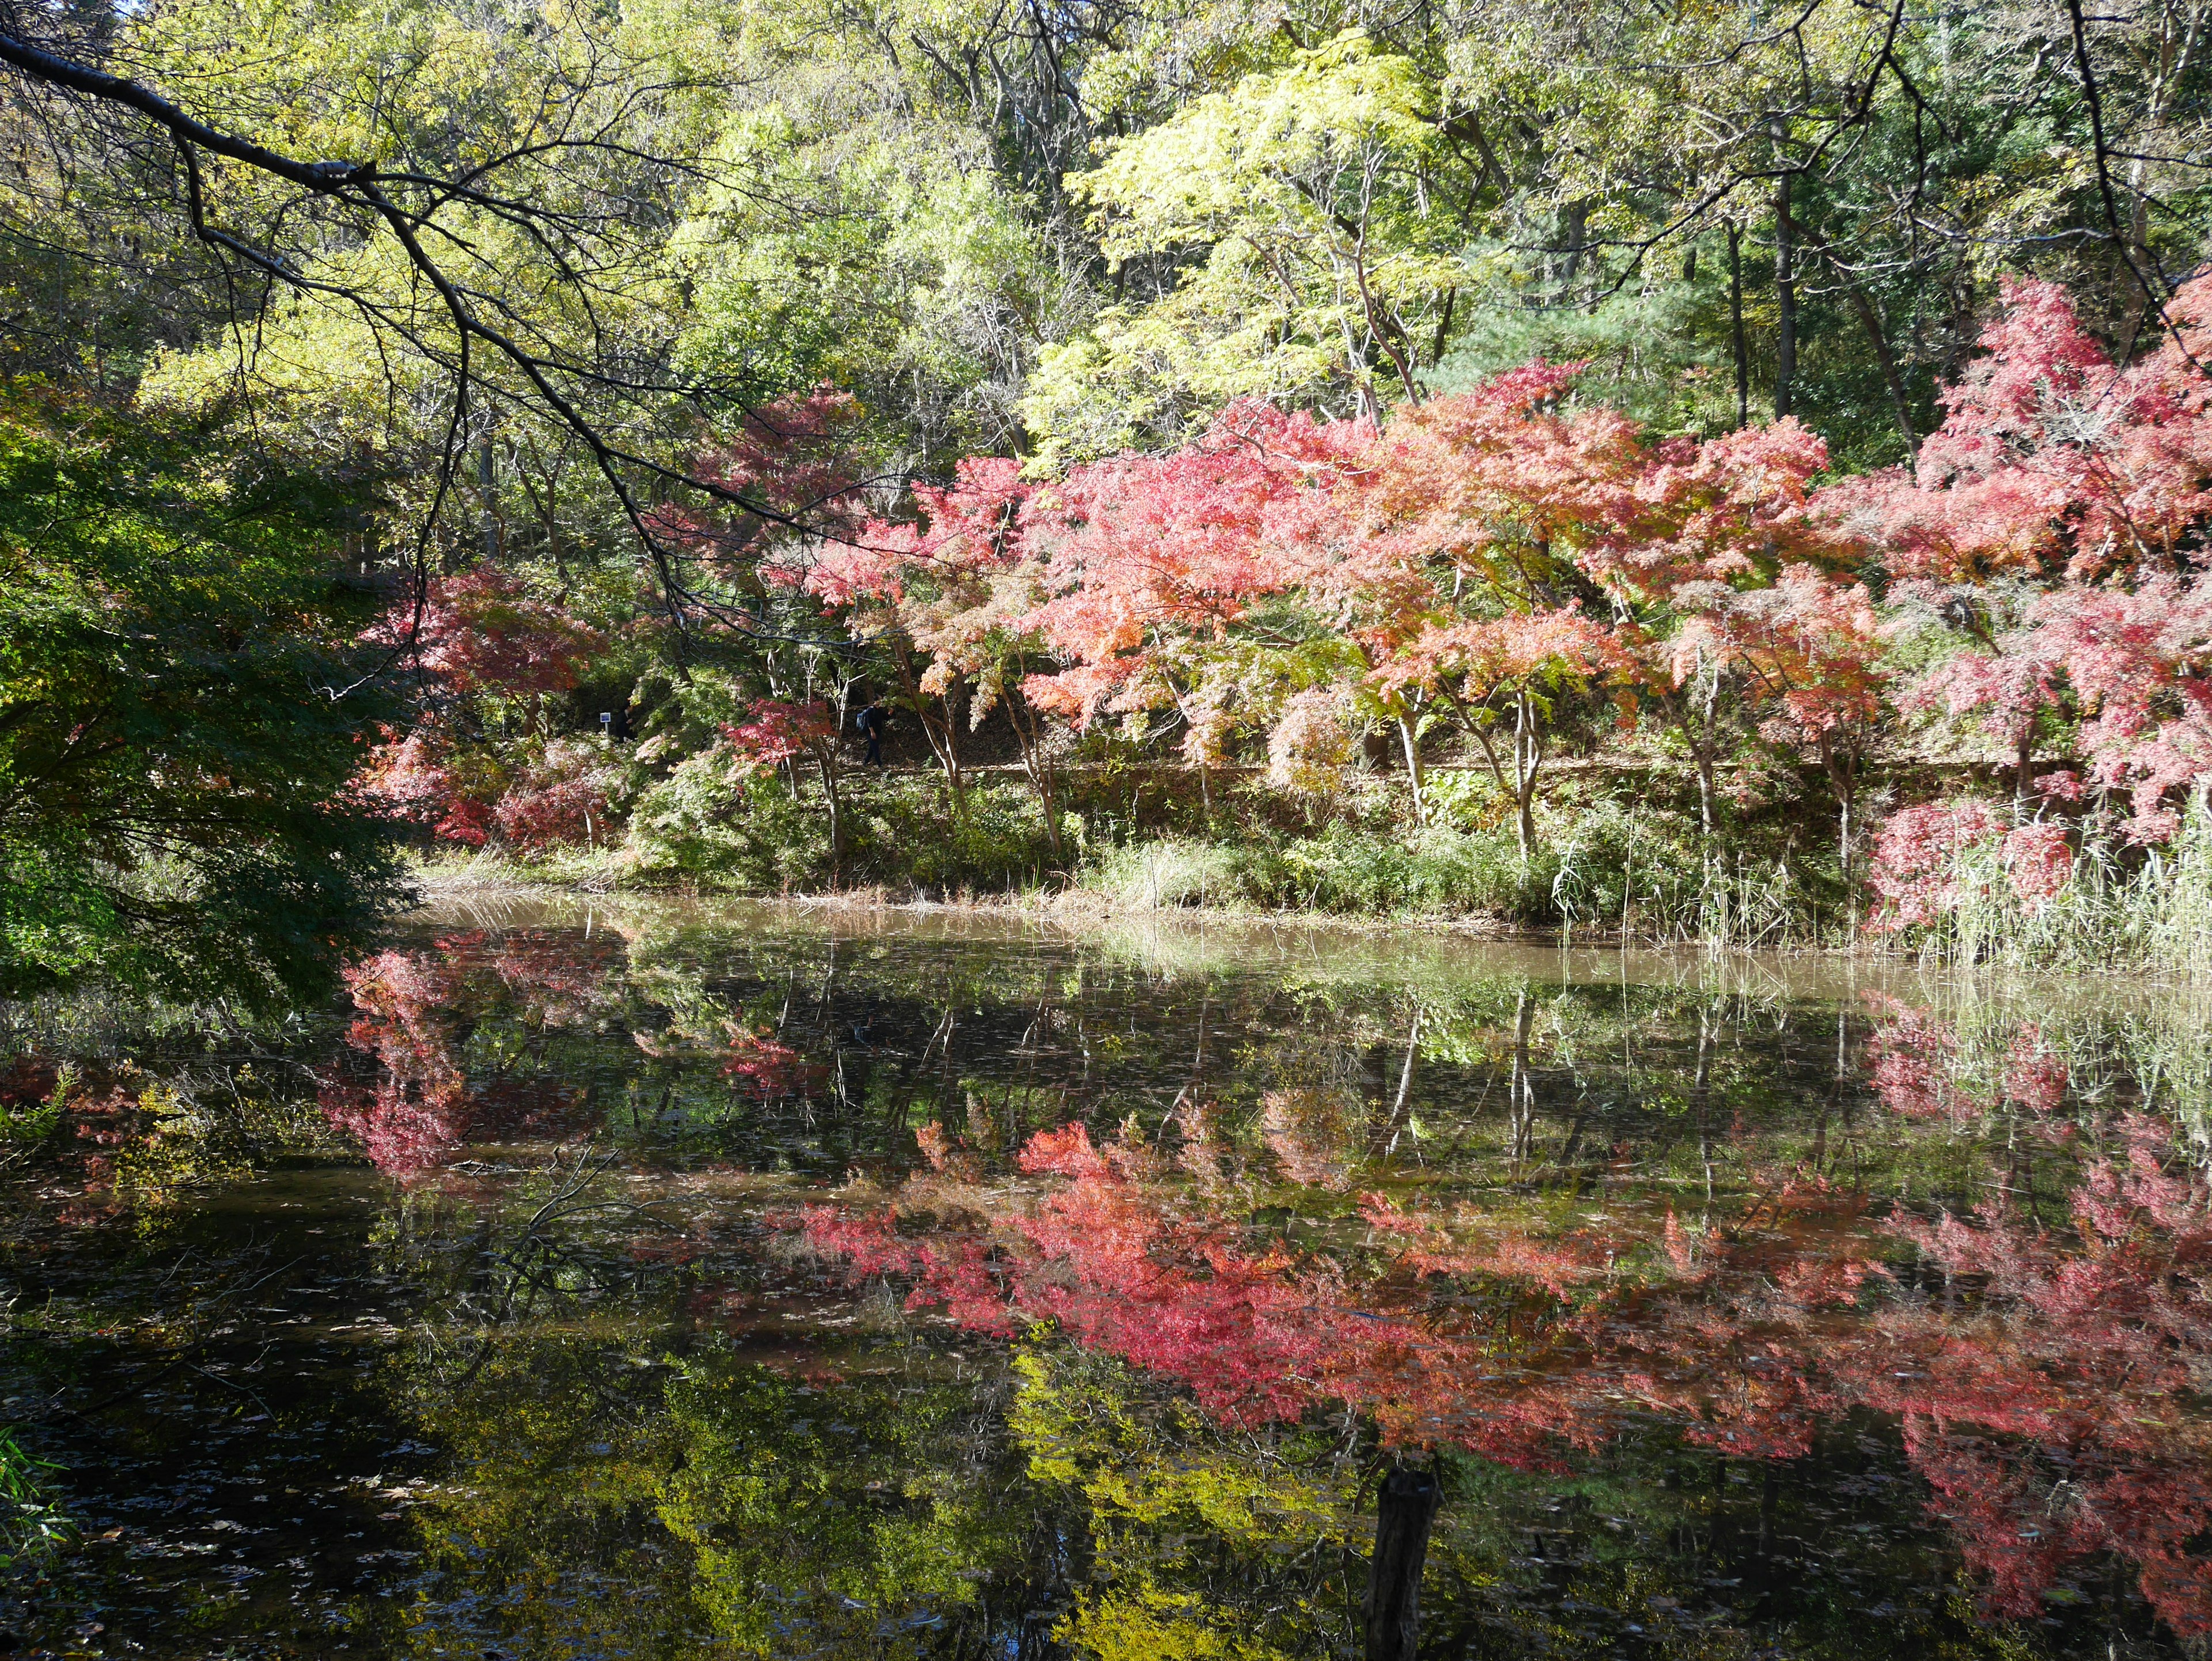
(663, 1281)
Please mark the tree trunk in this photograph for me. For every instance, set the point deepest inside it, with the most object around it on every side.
(488, 483)
(1682, 706)
(1406, 1506)
(1527, 759)
(1043, 778)
(1785, 295)
(941, 731)
(828, 767)
(1843, 833)
(1735, 327)
(945, 740)
(1900, 405)
(1383, 329)
(1843, 765)
(1407, 738)
(1577, 238)
(1841, 762)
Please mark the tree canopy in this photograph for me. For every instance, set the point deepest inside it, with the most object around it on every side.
(1762, 398)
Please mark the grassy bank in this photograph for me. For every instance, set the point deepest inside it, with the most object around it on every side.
(1617, 855)
(1614, 853)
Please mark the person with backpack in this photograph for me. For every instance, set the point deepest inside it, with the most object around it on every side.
(871, 718)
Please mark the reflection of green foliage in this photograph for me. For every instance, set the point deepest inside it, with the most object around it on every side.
(740, 1506)
(558, 1444)
(1148, 1622)
(31, 1122)
(1084, 1425)
(817, 1515)
(1205, 1543)
(1215, 1544)
(218, 1134)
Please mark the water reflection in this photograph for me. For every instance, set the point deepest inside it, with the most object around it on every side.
(663, 1282)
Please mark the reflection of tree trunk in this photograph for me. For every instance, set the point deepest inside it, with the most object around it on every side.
(1768, 1492)
(1406, 1506)
(1399, 1108)
(1523, 1095)
(1701, 1097)
(1817, 1157)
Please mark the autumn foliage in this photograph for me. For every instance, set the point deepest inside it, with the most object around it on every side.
(481, 636)
(1484, 556)
(1505, 570)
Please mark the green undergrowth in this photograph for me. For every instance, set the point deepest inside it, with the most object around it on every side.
(1608, 859)
(1613, 858)
(33, 1527)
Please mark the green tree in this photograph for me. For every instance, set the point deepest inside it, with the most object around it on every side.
(183, 698)
(1305, 200)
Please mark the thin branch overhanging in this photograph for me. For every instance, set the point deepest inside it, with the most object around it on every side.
(362, 186)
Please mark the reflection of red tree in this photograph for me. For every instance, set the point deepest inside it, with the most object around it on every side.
(766, 1069)
(1257, 1335)
(415, 1007)
(97, 1116)
(753, 1059)
(2042, 1392)
(2082, 1353)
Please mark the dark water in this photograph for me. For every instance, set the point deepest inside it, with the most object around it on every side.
(666, 1283)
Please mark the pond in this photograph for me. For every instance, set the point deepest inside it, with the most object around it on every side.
(666, 1280)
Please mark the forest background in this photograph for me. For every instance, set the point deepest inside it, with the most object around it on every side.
(1699, 471)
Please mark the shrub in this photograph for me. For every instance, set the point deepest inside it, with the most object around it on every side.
(1175, 872)
(715, 822)
(2026, 896)
(715, 819)
(561, 797)
(1435, 870)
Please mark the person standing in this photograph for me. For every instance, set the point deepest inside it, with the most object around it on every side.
(872, 720)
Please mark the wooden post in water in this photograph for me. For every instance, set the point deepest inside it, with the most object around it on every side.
(1406, 1506)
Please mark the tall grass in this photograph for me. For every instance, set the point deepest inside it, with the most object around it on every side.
(1650, 876)
(32, 1527)
(1345, 869)
(2121, 908)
